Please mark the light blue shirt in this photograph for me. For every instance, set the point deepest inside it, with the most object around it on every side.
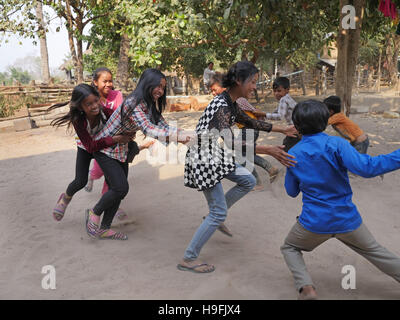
(321, 175)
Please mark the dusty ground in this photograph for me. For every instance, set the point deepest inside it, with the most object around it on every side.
(37, 165)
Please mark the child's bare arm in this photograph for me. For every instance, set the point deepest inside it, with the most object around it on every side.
(259, 113)
(146, 145)
(278, 153)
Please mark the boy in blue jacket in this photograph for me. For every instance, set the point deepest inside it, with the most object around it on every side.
(328, 211)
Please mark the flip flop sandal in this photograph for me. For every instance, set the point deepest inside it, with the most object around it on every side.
(115, 236)
(61, 206)
(121, 214)
(91, 227)
(224, 229)
(193, 269)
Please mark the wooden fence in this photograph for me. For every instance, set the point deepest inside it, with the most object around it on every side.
(42, 97)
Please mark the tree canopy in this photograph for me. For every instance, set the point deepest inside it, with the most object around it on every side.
(182, 35)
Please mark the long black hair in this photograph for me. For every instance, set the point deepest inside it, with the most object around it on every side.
(149, 80)
(240, 71)
(76, 113)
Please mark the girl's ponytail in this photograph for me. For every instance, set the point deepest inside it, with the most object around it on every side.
(229, 79)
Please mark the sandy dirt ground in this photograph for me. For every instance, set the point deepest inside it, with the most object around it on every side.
(37, 165)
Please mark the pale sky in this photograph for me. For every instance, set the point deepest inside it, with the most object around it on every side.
(57, 46)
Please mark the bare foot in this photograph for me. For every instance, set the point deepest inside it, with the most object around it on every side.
(89, 185)
(224, 229)
(258, 187)
(195, 266)
(273, 174)
(308, 293)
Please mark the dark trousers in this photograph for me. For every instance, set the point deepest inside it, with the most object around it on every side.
(290, 142)
(362, 147)
(116, 175)
(259, 161)
(83, 159)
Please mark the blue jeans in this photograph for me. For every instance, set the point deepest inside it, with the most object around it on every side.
(218, 204)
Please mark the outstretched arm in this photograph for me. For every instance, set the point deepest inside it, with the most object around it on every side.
(278, 153)
(364, 165)
(248, 122)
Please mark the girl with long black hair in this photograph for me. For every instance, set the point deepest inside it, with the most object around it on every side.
(207, 162)
(141, 110)
(87, 117)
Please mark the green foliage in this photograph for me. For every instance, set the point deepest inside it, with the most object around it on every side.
(18, 17)
(183, 35)
(369, 53)
(9, 104)
(15, 74)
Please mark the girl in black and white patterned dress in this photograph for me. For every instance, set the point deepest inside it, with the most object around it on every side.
(210, 160)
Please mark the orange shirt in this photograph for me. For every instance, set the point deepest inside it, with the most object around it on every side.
(345, 126)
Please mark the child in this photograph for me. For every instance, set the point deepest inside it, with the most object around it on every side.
(216, 88)
(207, 74)
(87, 117)
(344, 126)
(207, 163)
(111, 99)
(328, 211)
(141, 110)
(281, 87)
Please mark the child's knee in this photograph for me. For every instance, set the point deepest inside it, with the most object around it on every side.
(123, 191)
(251, 182)
(219, 213)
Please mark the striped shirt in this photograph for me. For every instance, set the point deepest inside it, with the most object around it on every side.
(284, 110)
(131, 117)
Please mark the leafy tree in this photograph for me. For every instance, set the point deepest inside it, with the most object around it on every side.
(17, 17)
(19, 75)
(77, 15)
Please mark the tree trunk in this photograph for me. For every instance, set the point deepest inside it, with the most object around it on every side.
(123, 63)
(392, 53)
(44, 56)
(317, 82)
(79, 61)
(70, 30)
(378, 81)
(79, 45)
(76, 52)
(303, 87)
(348, 44)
